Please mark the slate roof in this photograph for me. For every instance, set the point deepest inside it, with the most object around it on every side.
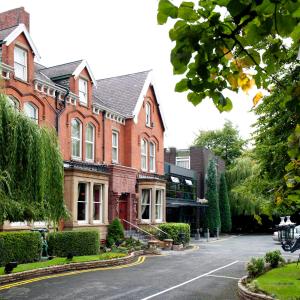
(121, 93)
(6, 32)
(61, 70)
(41, 76)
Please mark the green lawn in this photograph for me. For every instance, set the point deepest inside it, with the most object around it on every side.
(283, 282)
(62, 261)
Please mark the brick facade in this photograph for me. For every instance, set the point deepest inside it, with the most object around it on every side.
(46, 92)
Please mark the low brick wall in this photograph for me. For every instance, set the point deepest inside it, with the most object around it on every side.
(245, 294)
(4, 279)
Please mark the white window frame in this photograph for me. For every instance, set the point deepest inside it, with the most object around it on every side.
(144, 155)
(23, 65)
(159, 205)
(150, 206)
(86, 220)
(100, 201)
(14, 102)
(34, 118)
(148, 114)
(152, 157)
(76, 139)
(115, 147)
(87, 142)
(83, 91)
(183, 159)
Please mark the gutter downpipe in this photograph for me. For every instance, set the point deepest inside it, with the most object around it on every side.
(60, 111)
(103, 136)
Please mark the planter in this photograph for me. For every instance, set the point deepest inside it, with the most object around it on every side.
(168, 243)
(246, 294)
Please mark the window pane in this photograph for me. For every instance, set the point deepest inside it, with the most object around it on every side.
(158, 205)
(20, 63)
(90, 133)
(89, 151)
(114, 154)
(81, 203)
(83, 90)
(31, 112)
(20, 56)
(97, 212)
(115, 139)
(75, 129)
(76, 148)
(146, 204)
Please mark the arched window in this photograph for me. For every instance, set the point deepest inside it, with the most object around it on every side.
(144, 146)
(31, 111)
(152, 157)
(14, 102)
(148, 114)
(76, 134)
(89, 142)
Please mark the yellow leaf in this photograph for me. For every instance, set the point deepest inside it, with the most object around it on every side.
(227, 53)
(256, 98)
(232, 81)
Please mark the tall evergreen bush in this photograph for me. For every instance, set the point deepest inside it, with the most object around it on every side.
(213, 212)
(30, 157)
(115, 232)
(225, 213)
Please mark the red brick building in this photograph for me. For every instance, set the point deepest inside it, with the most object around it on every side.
(111, 131)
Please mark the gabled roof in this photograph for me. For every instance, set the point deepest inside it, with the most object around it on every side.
(8, 35)
(121, 92)
(73, 68)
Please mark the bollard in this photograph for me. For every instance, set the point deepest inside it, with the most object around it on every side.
(218, 233)
(197, 236)
(207, 236)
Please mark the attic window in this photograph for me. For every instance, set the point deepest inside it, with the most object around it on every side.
(20, 63)
(148, 114)
(83, 91)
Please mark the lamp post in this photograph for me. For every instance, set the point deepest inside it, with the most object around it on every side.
(286, 233)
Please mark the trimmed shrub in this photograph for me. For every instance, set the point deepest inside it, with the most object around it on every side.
(274, 258)
(77, 243)
(255, 267)
(174, 229)
(115, 232)
(22, 247)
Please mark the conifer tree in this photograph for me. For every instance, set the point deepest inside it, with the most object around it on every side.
(213, 212)
(225, 213)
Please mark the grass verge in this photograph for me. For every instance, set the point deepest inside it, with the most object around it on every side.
(283, 282)
(62, 261)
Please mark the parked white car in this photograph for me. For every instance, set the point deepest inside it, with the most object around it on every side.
(296, 234)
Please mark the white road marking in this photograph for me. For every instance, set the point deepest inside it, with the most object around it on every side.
(188, 281)
(221, 276)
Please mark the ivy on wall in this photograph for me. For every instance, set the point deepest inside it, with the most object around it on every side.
(32, 169)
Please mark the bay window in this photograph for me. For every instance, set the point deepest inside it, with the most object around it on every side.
(146, 205)
(82, 203)
(20, 63)
(76, 136)
(89, 142)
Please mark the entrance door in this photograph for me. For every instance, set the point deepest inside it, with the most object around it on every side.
(123, 212)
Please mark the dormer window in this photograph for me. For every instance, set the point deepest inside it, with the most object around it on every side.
(148, 114)
(83, 91)
(20, 63)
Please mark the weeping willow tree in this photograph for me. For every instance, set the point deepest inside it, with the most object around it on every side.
(249, 193)
(31, 168)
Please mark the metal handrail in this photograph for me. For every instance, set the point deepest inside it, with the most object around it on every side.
(152, 236)
(159, 229)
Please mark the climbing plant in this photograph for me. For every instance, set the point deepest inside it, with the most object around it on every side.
(31, 168)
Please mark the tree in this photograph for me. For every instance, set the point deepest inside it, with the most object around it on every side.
(225, 213)
(31, 168)
(115, 232)
(225, 143)
(213, 212)
(218, 42)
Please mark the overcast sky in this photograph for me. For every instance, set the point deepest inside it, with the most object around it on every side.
(119, 37)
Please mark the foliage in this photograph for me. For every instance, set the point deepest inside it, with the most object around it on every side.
(20, 247)
(213, 212)
(225, 142)
(274, 258)
(73, 242)
(218, 42)
(255, 267)
(32, 167)
(115, 232)
(225, 213)
(278, 116)
(63, 261)
(281, 282)
(175, 229)
(249, 192)
(131, 244)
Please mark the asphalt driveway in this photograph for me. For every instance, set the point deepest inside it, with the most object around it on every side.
(209, 272)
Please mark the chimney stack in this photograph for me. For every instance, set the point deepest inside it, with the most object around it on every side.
(14, 17)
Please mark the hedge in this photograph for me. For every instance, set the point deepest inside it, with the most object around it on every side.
(174, 229)
(22, 247)
(77, 243)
